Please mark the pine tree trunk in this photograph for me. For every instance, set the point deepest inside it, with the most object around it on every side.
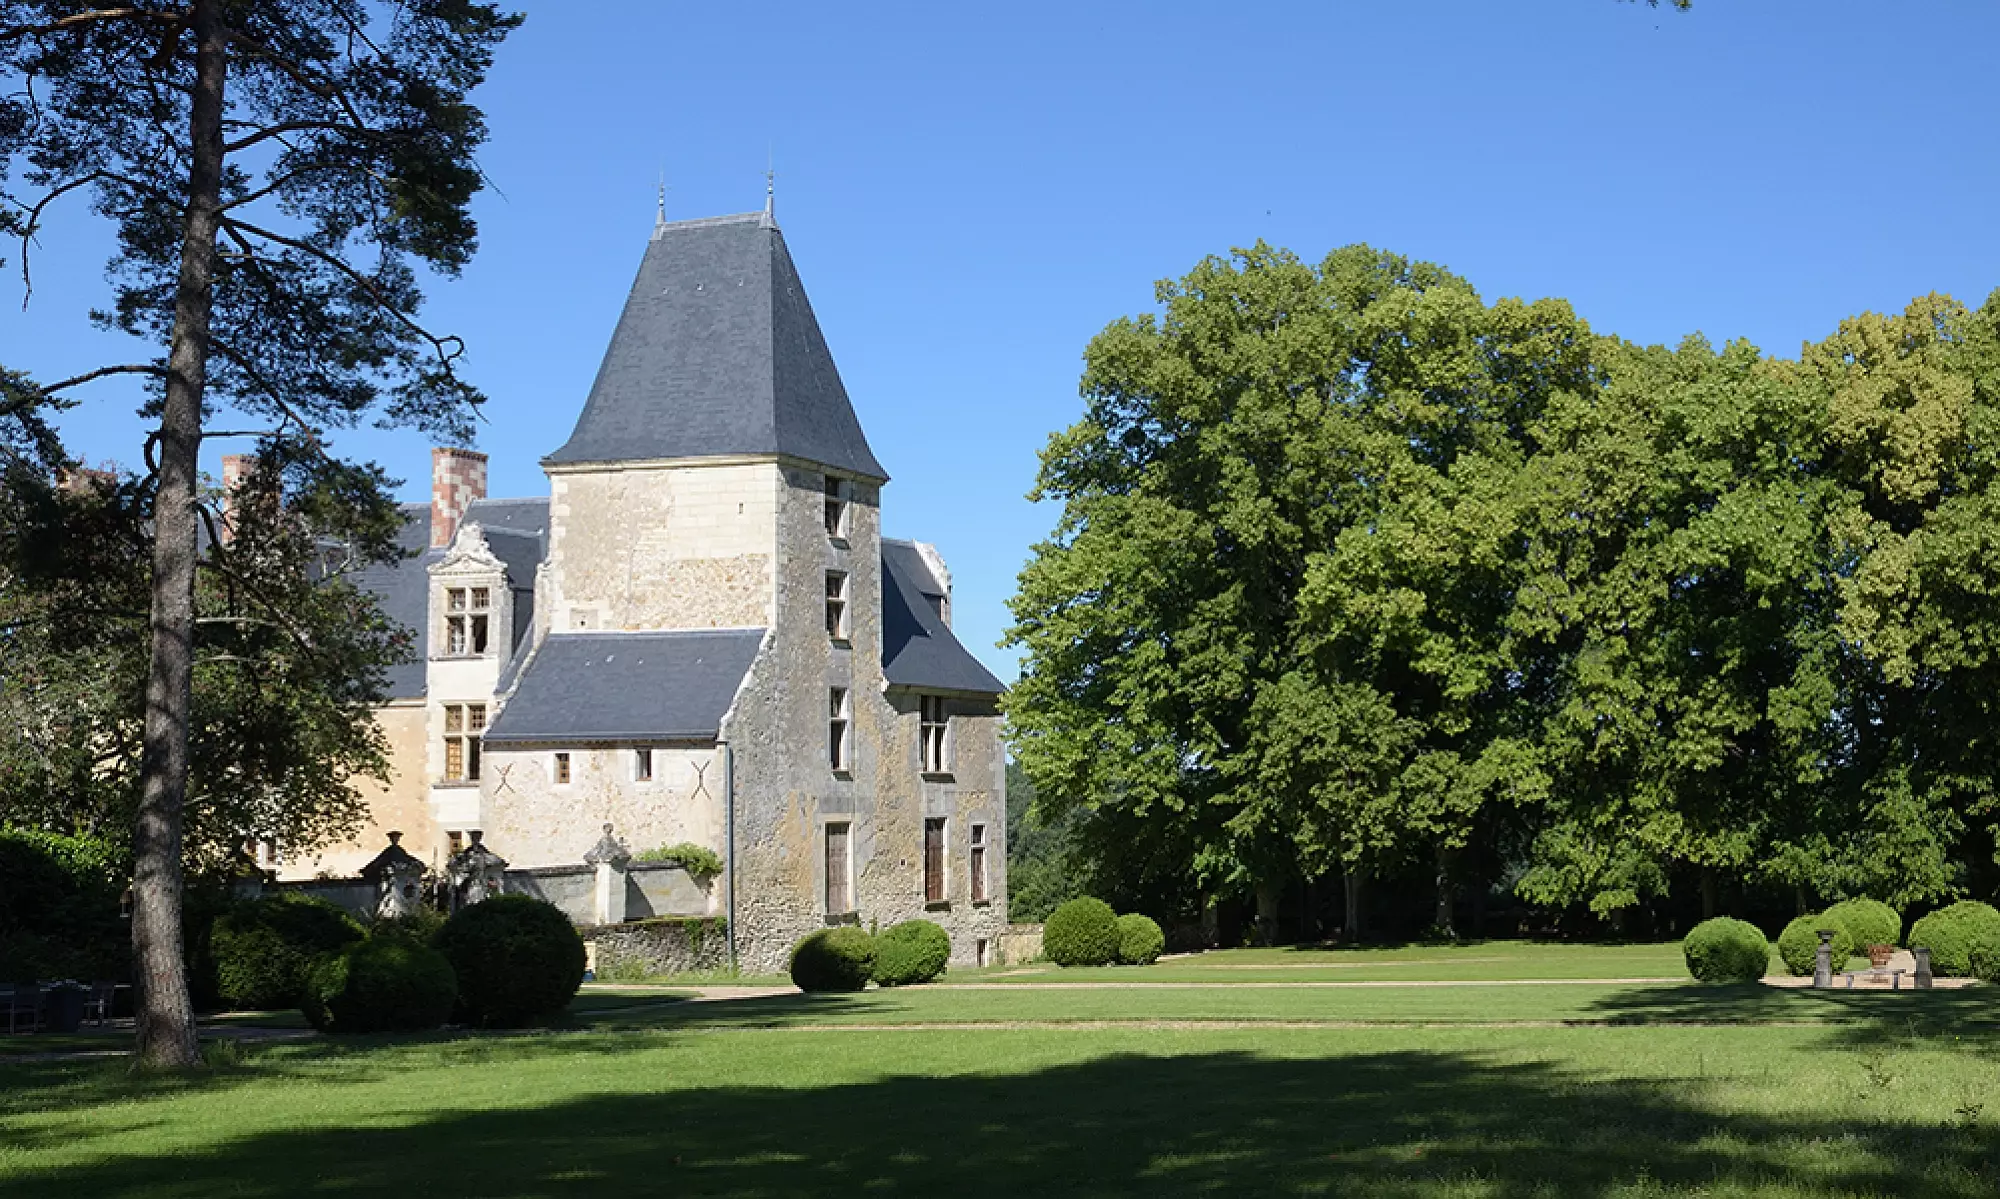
(166, 1031)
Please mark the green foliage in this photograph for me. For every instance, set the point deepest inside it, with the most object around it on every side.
(1953, 935)
(914, 951)
(1082, 932)
(265, 949)
(1798, 945)
(1140, 941)
(1726, 950)
(518, 961)
(386, 983)
(421, 926)
(59, 899)
(1043, 865)
(697, 860)
(1870, 921)
(1355, 570)
(841, 958)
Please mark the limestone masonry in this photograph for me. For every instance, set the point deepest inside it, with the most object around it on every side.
(700, 637)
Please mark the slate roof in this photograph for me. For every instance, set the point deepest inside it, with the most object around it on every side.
(403, 590)
(718, 352)
(917, 649)
(627, 687)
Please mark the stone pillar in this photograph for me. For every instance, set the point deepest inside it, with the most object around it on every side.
(1923, 955)
(458, 477)
(610, 857)
(398, 876)
(1823, 959)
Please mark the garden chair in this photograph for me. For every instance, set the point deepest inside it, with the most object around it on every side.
(24, 1008)
(97, 1008)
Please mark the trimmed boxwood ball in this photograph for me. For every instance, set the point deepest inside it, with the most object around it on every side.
(833, 959)
(1140, 941)
(912, 952)
(1951, 934)
(265, 949)
(1798, 945)
(1723, 950)
(518, 960)
(1871, 922)
(1082, 932)
(383, 984)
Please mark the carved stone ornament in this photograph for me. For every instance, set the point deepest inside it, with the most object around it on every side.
(398, 876)
(476, 872)
(609, 850)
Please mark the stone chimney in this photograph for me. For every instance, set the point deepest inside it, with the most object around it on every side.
(458, 477)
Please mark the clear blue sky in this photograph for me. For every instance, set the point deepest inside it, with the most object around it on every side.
(971, 193)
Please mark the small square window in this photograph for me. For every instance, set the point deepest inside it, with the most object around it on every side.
(562, 770)
(642, 765)
(454, 843)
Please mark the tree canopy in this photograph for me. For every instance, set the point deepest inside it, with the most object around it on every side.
(1356, 571)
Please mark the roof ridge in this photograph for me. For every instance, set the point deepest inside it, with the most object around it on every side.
(701, 222)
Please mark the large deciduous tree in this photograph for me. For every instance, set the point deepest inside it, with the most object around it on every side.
(274, 170)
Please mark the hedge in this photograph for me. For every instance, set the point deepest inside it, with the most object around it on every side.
(914, 951)
(1871, 921)
(841, 958)
(518, 960)
(1798, 945)
(1953, 934)
(390, 983)
(1140, 941)
(1726, 950)
(265, 949)
(1082, 932)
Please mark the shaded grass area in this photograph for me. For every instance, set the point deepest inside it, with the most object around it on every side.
(1373, 1112)
(1559, 1003)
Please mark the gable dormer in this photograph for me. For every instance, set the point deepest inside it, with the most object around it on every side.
(472, 613)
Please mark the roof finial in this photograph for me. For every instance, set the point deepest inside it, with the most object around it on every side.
(661, 219)
(771, 186)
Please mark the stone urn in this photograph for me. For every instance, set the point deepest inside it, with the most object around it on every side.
(1879, 955)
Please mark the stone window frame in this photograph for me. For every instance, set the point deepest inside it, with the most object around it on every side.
(839, 508)
(975, 862)
(464, 741)
(844, 877)
(934, 739)
(643, 766)
(936, 870)
(468, 620)
(562, 769)
(840, 730)
(838, 606)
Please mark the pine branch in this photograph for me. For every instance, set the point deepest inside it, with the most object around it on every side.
(138, 368)
(90, 17)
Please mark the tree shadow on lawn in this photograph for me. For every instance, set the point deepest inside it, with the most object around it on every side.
(1401, 1124)
(1868, 1015)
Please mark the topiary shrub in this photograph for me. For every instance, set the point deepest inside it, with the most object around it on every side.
(1871, 922)
(1082, 932)
(914, 951)
(1723, 950)
(265, 949)
(1952, 933)
(390, 983)
(518, 960)
(1140, 941)
(833, 959)
(421, 926)
(1798, 945)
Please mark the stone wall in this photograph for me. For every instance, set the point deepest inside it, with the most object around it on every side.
(400, 804)
(665, 946)
(530, 820)
(1019, 943)
(662, 547)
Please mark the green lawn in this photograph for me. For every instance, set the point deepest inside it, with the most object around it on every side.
(1382, 1091)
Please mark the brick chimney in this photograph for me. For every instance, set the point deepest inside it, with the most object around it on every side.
(458, 477)
(236, 469)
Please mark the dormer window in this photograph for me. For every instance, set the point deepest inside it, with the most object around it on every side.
(836, 508)
(468, 618)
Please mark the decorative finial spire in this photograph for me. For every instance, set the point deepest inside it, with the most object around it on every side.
(771, 186)
(662, 218)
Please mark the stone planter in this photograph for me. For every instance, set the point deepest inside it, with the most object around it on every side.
(1879, 955)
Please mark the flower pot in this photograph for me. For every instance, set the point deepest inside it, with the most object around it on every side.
(1879, 955)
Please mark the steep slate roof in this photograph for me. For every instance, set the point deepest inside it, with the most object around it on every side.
(718, 352)
(403, 590)
(627, 686)
(917, 649)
